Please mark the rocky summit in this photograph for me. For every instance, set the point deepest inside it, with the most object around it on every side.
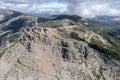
(41, 54)
(57, 49)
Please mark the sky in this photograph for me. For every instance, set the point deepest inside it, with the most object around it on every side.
(84, 8)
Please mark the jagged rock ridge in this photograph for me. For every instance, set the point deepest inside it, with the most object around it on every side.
(41, 54)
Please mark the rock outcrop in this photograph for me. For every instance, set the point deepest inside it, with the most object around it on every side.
(41, 54)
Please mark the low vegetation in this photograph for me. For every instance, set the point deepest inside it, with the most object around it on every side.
(108, 50)
(2, 53)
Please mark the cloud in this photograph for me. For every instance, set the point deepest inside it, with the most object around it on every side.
(88, 8)
(51, 8)
(16, 1)
(35, 6)
(96, 10)
(84, 8)
(27, 1)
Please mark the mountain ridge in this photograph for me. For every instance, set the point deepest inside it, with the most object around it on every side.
(62, 48)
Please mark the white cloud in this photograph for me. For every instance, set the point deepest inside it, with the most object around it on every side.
(85, 8)
(52, 8)
(95, 10)
(88, 8)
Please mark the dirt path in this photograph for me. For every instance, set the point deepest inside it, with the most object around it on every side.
(67, 27)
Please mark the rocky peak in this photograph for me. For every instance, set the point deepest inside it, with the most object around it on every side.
(41, 54)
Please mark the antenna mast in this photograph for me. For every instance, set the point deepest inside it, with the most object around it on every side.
(36, 23)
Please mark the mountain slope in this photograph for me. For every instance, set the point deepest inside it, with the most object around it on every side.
(44, 56)
(111, 31)
(14, 21)
(61, 48)
(106, 21)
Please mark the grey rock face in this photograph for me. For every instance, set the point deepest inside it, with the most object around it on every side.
(41, 56)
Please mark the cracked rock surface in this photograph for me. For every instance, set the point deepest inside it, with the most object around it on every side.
(42, 55)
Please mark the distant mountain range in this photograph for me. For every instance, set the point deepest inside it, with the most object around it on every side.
(110, 22)
(106, 21)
